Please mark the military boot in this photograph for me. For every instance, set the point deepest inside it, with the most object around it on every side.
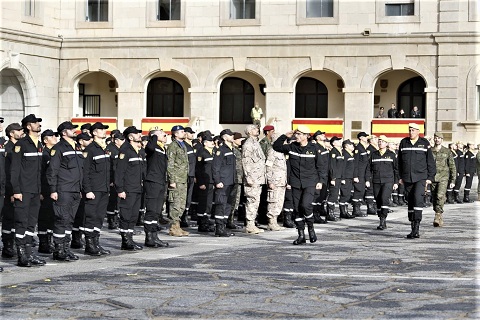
(287, 219)
(344, 214)
(33, 258)
(466, 197)
(60, 254)
(301, 237)
(111, 221)
(23, 260)
(382, 224)
(395, 202)
(8, 250)
(331, 213)
(126, 243)
(371, 209)
(96, 240)
(44, 244)
(175, 230)
(159, 242)
(311, 234)
(438, 220)
(273, 225)
(415, 230)
(317, 217)
(90, 248)
(150, 238)
(70, 254)
(450, 197)
(76, 240)
(457, 197)
(184, 220)
(251, 228)
(231, 222)
(221, 231)
(357, 211)
(131, 243)
(203, 224)
(141, 217)
(323, 210)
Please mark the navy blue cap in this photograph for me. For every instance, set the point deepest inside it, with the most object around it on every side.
(177, 128)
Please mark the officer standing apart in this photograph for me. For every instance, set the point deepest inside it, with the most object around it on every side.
(445, 177)
(129, 175)
(26, 182)
(308, 173)
(96, 185)
(64, 176)
(253, 161)
(416, 170)
(382, 172)
(177, 173)
(256, 114)
(223, 171)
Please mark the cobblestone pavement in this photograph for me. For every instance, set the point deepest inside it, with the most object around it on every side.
(353, 272)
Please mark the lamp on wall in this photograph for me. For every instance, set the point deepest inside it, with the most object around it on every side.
(262, 88)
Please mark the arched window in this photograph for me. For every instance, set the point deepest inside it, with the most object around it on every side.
(164, 98)
(412, 93)
(237, 98)
(311, 99)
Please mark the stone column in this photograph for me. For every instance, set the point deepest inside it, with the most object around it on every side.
(431, 124)
(358, 111)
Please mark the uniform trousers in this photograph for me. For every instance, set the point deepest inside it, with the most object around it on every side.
(129, 208)
(468, 182)
(154, 200)
(458, 182)
(224, 198)
(415, 192)
(252, 193)
(302, 206)
(345, 191)
(177, 199)
(8, 218)
(95, 211)
(112, 207)
(46, 217)
(26, 217)
(439, 189)
(359, 190)
(333, 193)
(382, 193)
(238, 192)
(79, 219)
(64, 209)
(275, 202)
(288, 202)
(190, 184)
(205, 199)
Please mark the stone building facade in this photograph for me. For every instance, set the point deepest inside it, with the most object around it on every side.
(211, 60)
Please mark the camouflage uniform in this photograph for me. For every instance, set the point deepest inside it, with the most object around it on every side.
(276, 166)
(177, 172)
(238, 178)
(253, 160)
(446, 174)
(266, 145)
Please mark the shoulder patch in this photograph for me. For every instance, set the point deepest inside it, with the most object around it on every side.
(121, 156)
(52, 152)
(333, 155)
(218, 153)
(17, 149)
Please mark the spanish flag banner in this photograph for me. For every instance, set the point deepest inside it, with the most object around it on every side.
(395, 128)
(111, 122)
(331, 127)
(162, 123)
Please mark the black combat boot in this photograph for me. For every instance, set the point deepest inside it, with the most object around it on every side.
(317, 217)
(466, 197)
(457, 197)
(96, 241)
(8, 250)
(344, 214)
(70, 254)
(23, 260)
(371, 209)
(382, 224)
(130, 238)
(159, 242)
(111, 221)
(221, 231)
(331, 213)
(323, 211)
(394, 202)
(76, 240)
(60, 254)
(311, 234)
(141, 217)
(150, 240)
(402, 200)
(357, 211)
(415, 230)
(204, 224)
(34, 259)
(90, 248)
(44, 245)
(301, 237)
(287, 219)
(450, 199)
(126, 244)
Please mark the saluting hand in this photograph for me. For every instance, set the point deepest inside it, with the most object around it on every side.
(289, 134)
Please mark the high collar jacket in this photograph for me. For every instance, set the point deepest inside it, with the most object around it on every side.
(415, 161)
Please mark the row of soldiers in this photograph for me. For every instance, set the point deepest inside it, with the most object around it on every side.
(68, 186)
